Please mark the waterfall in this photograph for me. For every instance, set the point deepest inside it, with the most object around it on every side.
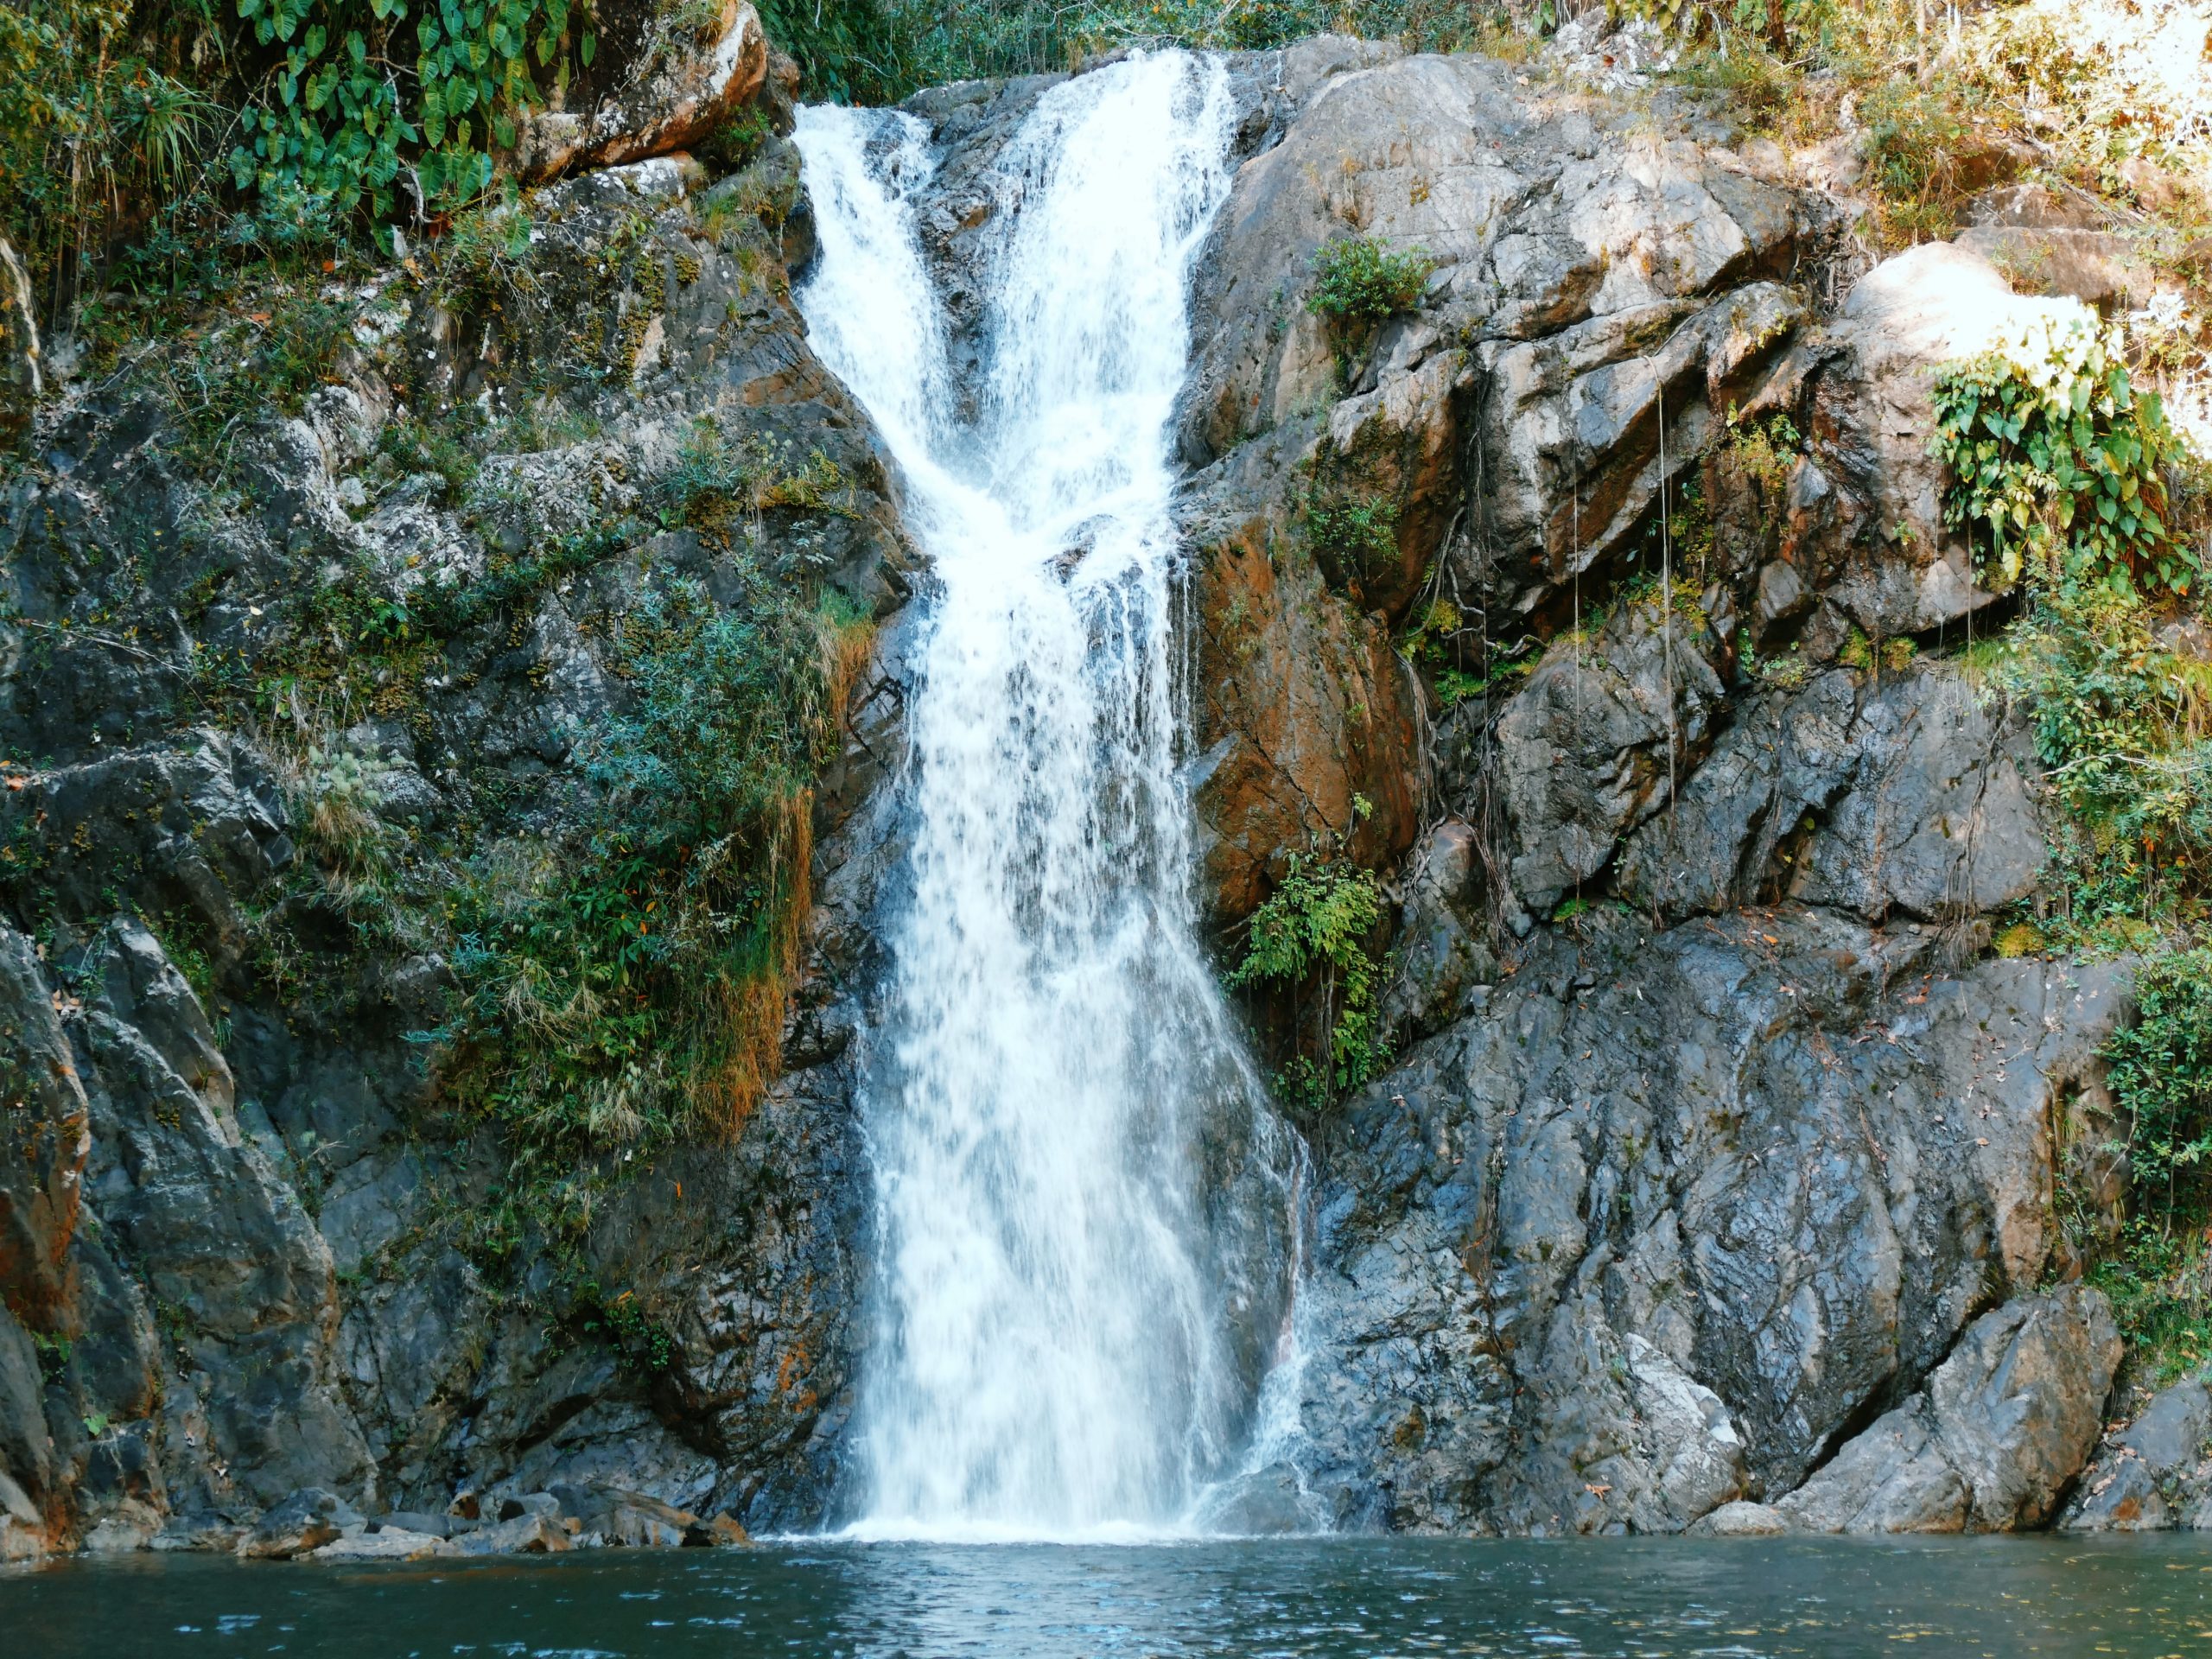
(1051, 1355)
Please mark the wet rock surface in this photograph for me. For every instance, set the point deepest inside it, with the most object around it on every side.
(1999, 1431)
(1713, 1188)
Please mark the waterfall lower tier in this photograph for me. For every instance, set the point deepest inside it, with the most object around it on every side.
(1053, 1354)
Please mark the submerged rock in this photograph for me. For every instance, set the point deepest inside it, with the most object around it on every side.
(303, 1522)
(385, 1544)
(1269, 1502)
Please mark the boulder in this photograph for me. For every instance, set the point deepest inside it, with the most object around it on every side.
(23, 1529)
(1588, 280)
(2000, 1431)
(1597, 740)
(2152, 1474)
(2096, 267)
(130, 1525)
(221, 1238)
(726, 1531)
(1727, 839)
(1874, 541)
(671, 95)
(1937, 821)
(1742, 1519)
(303, 1522)
(1440, 951)
(435, 1526)
(618, 1515)
(201, 1530)
(1267, 1502)
(525, 1535)
(1304, 709)
(385, 1544)
(48, 1122)
(1904, 794)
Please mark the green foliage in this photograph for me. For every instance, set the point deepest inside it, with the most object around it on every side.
(2063, 473)
(867, 51)
(53, 1356)
(728, 715)
(1354, 539)
(2055, 458)
(2161, 1079)
(2161, 1287)
(643, 1346)
(2159, 1271)
(102, 120)
(1914, 136)
(1311, 934)
(1757, 88)
(1359, 281)
(1768, 448)
(630, 986)
(147, 122)
(355, 88)
(1462, 663)
(881, 50)
(226, 374)
(2119, 723)
(717, 485)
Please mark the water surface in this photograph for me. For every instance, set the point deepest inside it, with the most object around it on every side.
(1368, 1598)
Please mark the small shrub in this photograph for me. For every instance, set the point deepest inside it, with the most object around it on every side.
(718, 485)
(1759, 91)
(1914, 136)
(2125, 743)
(1768, 450)
(633, 986)
(1311, 932)
(2056, 458)
(2161, 1080)
(1359, 281)
(1353, 538)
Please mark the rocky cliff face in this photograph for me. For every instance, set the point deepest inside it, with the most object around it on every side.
(243, 1252)
(1717, 1173)
(1713, 1183)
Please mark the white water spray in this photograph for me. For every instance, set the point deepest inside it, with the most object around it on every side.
(1050, 1357)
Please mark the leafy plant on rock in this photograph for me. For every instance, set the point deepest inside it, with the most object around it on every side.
(1360, 282)
(2056, 456)
(356, 90)
(2161, 1075)
(1311, 934)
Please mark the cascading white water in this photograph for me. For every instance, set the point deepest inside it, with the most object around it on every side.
(1049, 1359)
